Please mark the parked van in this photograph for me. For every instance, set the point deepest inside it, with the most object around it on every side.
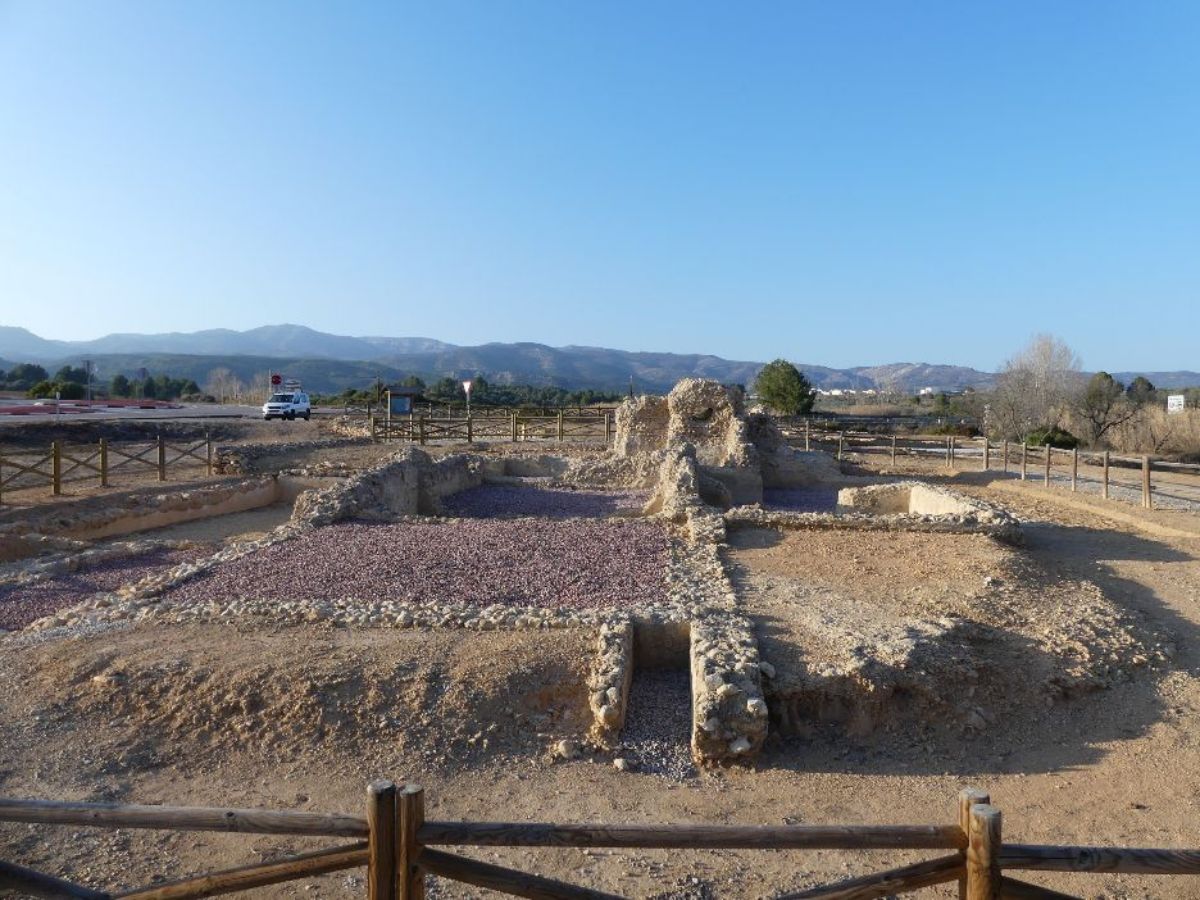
(287, 405)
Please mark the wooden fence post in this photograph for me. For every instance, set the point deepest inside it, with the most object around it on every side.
(1006, 456)
(607, 427)
(1104, 489)
(953, 450)
(983, 853)
(104, 463)
(1024, 459)
(56, 467)
(421, 430)
(1074, 469)
(208, 451)
(893, 448)
(1049, 454)
(381, 841)
(561, 434)
(1147, 499)
(807, 435)
(949, 458)
(412, 817)
(162, 458)
(841, 445)
(470, 433)
(987, 453)
(967, 798)
(514, 426)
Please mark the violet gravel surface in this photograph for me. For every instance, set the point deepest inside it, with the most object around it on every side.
(490, 501)
(801, 499)
(24, 603)
(577, 564)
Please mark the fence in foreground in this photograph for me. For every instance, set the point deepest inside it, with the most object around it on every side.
(515, 427)
(397, 845)
(1143, 476)
(62, 463)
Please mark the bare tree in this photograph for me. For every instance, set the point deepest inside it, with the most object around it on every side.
(224, 385)
(1035, 387)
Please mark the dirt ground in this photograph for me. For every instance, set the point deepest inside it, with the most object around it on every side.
(304, 717)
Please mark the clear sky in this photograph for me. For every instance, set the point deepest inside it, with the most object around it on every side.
(839, 183)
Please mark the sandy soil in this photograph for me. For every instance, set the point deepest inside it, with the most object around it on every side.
(305, 717)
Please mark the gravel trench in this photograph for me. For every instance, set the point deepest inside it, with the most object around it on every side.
(575, 563)
(491, 501)
(24, 603)
(657, 732)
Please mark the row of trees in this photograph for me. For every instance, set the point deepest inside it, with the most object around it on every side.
(71, 383)
(483, 393)
(1042, 396)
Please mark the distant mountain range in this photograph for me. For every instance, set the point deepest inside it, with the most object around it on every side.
(331, 362)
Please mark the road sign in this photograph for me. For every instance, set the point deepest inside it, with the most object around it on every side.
(276, 379)
(1175, 403)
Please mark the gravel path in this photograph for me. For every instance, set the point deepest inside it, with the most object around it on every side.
(657, 732)
(801, 499)
(1167, 496)
(576, 563)
(22, 604)
(491, 501)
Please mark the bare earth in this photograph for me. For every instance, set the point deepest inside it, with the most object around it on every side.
(304, 717)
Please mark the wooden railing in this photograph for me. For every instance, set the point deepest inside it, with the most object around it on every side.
(1174, 483)
(514, 427)
(64, 463)
(396, 844)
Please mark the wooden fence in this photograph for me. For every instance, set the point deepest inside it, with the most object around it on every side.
(1019, 458)
(396, 844)
(62, 463)
(514, 427)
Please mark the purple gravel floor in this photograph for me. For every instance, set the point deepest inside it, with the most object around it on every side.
(490, 501)
(801, 499)
(577, 564)
(22, 604)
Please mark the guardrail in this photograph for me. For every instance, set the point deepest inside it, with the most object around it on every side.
(1022, 459)
(396, 844)
(61, 463)
(513, 427)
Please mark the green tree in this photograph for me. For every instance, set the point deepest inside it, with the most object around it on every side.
(1103, 406)
(119, 386)
(77, 375)
(25, 375)
(412, 381)
(783, 388)
(1140, 391)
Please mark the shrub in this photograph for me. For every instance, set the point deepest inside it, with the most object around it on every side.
(1053, 437)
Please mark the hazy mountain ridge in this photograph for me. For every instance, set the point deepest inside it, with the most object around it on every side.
(329, 362)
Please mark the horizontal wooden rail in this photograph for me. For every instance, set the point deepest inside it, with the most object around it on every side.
(183, 818)
(506, 881)
(243, 878)
(747, 837)
(39, 884)
(1126, 860)
(884, 884)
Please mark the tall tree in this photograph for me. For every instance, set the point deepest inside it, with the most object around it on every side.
(1102, 406)
(783, 388)
(1035, 387)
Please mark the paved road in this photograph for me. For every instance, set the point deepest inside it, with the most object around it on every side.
(105, 414)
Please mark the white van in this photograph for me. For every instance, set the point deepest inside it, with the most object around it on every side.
(288, 405)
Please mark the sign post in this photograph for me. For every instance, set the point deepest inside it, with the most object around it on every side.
(1175, 403)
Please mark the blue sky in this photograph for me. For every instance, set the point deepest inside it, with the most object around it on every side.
(841, 183)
